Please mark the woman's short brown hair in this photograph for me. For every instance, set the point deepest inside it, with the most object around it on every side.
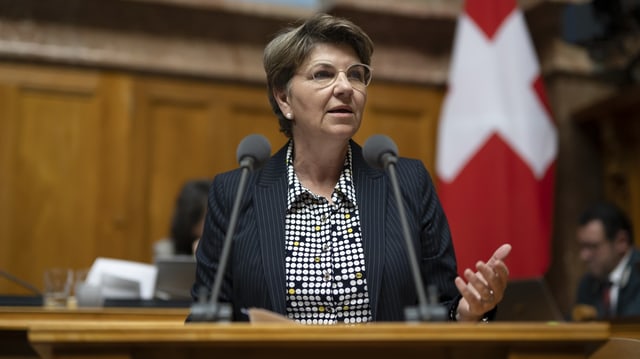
(287, 51)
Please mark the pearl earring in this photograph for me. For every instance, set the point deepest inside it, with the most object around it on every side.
(289, 115)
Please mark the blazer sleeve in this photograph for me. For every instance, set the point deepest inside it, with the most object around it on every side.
(437, 255)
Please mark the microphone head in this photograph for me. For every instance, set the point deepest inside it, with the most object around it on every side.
(375, 149)
(253, 151)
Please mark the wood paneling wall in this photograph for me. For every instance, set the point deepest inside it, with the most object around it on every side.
(91, 160)
(51, 128)
(613, 125)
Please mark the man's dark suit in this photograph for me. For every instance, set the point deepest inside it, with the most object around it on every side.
(590, 291)
(256, 273)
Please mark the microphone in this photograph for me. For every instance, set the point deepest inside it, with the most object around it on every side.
(253, 152)
(382, 153)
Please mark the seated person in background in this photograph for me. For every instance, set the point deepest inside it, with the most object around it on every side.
(187, 222)
(611, 286)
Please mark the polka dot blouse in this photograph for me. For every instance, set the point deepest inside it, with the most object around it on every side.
(324, 261)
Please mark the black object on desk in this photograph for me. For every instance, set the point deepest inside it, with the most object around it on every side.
(147, 303)
(21, 300)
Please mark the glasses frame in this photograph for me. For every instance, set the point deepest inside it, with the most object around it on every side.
(354, 84)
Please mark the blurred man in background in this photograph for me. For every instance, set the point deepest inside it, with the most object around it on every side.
(611, 286)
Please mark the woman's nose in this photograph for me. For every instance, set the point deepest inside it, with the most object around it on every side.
(342, 83)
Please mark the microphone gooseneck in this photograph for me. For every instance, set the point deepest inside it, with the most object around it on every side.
(20, 282)
(253, 151)
(381, 152)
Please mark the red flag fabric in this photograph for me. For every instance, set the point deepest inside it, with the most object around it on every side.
(497, 142)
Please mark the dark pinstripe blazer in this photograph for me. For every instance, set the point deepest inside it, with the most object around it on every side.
(255, 274)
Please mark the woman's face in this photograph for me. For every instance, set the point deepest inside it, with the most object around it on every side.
(324, 97)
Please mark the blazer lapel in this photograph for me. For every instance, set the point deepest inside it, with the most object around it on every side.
(270, 206)
(371, 193)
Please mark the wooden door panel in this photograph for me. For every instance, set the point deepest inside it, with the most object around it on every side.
(247, 111)
(180, 149)
(409, 115)
(51, 171)
(185, 130)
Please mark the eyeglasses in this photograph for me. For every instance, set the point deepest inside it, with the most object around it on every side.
(359, 75)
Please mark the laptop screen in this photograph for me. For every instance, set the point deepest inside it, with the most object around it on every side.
(528, 300)
(175, 277)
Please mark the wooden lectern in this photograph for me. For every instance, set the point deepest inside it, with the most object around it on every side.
(156, 339)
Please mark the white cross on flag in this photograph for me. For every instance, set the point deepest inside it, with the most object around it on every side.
(497, 142)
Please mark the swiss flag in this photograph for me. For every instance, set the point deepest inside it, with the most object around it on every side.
(497, 142)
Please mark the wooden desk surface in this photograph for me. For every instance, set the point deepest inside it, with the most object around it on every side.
(152, 331)
(161, 333)
(149, 339)
(127, 314)
(626, 329)
(149, 333)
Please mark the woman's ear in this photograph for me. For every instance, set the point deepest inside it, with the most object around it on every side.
(282, 99)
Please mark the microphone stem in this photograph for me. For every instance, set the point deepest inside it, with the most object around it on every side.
(422, 298)
(20, 282)
(228, 239)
